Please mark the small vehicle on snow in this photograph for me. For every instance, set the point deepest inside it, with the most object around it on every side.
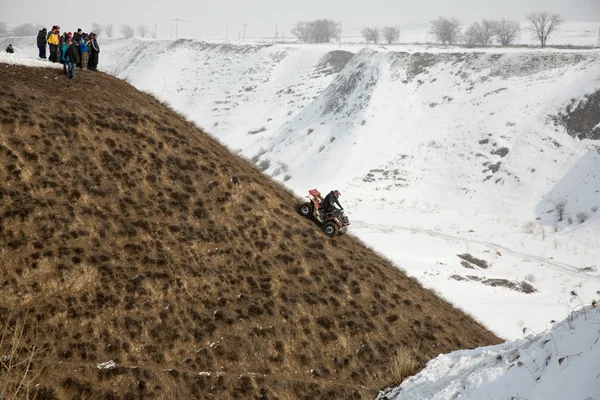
(333, 222)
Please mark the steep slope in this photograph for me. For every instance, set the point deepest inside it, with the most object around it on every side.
(149, 262)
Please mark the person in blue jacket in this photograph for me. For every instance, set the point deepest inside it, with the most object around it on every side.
(84, 48)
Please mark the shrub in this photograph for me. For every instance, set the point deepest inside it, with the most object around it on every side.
(403, 366)
(529, 227)
(582, 217)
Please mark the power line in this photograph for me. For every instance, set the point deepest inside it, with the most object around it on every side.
(177, 26)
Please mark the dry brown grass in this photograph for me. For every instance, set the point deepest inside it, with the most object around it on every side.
(129, 235)
(22, 359)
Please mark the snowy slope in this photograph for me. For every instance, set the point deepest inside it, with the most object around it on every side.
(561, 363)
(438, 153)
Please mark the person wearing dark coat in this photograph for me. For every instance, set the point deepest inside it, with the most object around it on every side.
(10, 49)
(41, 42)
(330, 200)
(72, 57)
(77, 40)
(94, 52)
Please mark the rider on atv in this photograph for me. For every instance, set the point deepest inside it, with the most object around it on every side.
(333, 220)
(330, 200)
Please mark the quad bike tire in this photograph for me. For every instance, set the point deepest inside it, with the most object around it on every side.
(330, 229)
(343, 231)
(306, 209)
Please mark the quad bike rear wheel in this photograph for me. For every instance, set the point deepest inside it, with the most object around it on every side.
(330, 229)
(306, 209)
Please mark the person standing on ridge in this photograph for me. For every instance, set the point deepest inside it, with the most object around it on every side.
(41, 42)
(10, 49)
(53, 42)
(94, 52)
(77, 42)
(72, 55)
(64, 59)
(84, 48)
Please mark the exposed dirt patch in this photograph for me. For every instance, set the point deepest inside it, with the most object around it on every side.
(474, 260)
(523, 287)
(581, 118)
(334, 61)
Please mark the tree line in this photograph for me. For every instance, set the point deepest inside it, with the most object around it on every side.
(444, 31)
(483, 33)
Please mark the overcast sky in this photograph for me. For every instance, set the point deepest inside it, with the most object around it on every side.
(210, 19)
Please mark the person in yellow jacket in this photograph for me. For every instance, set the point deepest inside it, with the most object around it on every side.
(53, 42)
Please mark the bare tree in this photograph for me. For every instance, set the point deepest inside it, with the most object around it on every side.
(481, 33)
(446, 30)
(560, 206)
(109, 30)
(543, 24)
(302, 32)
(391, 34)
(371, 35)
(97, 28)
(127, 31)
(317, 31)
(26, 30)
(3, 29)
(323, 30)
(507, 31)
(143, 30)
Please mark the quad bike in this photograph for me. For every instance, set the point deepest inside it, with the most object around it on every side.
(333, 222)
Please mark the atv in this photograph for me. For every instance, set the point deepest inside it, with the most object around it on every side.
(333, 223)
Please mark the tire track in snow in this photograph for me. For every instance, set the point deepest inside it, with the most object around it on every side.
(555, 265)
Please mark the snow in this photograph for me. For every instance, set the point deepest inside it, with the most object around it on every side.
(560, 363)
(107, 365)
(438, 152)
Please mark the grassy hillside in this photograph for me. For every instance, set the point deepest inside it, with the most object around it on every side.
(128, 234)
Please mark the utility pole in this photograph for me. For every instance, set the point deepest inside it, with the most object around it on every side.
(244, 32)
(177, 26)
(276, 33)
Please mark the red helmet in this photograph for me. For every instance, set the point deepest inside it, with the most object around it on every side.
(337, 193)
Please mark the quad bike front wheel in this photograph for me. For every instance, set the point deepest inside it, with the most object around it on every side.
(330, 229)
(305, 209)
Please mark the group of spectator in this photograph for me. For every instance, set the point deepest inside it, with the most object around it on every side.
(73, 50)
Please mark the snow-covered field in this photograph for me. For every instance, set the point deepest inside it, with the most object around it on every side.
(449, 162)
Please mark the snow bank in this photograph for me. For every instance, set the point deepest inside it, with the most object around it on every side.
(562, 363)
